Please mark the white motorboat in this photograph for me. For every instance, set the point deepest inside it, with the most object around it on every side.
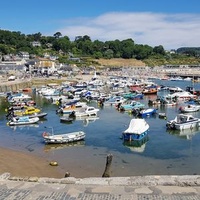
(189, 108)
(19, 97)
(67, 109)
(87, 111)
(115, 100)
(23, 120)
(183, 121)
(182, 95)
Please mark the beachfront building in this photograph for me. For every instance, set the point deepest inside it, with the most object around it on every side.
(41, 66)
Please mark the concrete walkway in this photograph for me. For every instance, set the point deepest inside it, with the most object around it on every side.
(118, 188)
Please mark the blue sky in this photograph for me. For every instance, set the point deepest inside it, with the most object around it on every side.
(171, 23)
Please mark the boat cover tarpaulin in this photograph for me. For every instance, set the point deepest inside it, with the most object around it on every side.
(137, 126)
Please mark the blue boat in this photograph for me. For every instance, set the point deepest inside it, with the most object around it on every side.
(137, 130)
(131, 106)
(133, 95)
(147, 112)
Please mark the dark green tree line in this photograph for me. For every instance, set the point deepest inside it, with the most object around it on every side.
(82, 46)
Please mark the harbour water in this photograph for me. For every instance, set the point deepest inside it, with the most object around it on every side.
(164, 153)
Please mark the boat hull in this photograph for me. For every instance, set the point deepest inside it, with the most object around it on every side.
(183, 121)
(191, 125)
(63, 138)
(134, 136)
(23, 122)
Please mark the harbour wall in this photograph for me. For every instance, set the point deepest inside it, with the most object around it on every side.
(14, 86)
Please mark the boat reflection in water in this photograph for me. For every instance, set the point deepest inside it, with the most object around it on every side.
(51, 147)
(24, 127)
(87, 120)
(185, 134)
(136, 145)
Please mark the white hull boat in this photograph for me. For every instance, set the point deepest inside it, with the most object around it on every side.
(189, 108)
(23, 120)
(63, 138)
(87, 111)
(183, 121)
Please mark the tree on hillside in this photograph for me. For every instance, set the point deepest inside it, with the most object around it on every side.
(115, 46)
(159, 50)
(57, 35)
(62, 44)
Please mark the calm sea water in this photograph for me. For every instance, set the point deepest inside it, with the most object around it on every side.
(164, 153)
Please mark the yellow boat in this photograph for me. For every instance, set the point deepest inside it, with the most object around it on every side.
(28, 111)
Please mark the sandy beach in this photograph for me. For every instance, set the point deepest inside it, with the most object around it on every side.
(26, 165)
(22, 164)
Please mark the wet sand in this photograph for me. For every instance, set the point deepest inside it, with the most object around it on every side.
(26, 165)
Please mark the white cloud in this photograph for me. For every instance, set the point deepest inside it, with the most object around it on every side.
(170, 30)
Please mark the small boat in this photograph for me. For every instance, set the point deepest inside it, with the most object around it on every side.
(87, 111)
(67, 109)
(162, 115)
(40, 115)
(30, 110)
(147, 112)
(27, 90)
(50, 138)
(150, 91)
(183, 121)
(184, 95)
(133, 105)
(189, 108)
(115, 100)
(137, 130)
(133, 95)
(19, 97)
(12, 114)
(22, 120)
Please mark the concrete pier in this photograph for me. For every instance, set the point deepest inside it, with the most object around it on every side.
(116, 188)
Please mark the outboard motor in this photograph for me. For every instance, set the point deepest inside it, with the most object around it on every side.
(72, 114)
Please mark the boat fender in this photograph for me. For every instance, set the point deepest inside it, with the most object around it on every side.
(53, 163)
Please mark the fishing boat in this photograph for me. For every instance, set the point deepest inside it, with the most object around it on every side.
(22, 120)
(51, 138)
(183, 121)
(137, 130)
